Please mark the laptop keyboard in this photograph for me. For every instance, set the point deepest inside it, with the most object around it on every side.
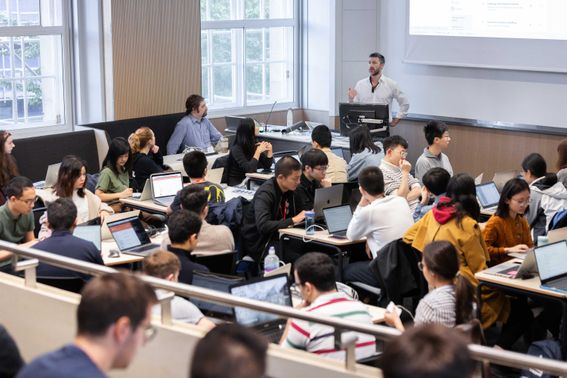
(146, 247)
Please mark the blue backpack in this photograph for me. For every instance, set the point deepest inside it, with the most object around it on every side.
(543, 349)
(559, 220)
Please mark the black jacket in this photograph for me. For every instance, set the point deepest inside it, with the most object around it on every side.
(238, 165)
(144, 165)
(306, 192)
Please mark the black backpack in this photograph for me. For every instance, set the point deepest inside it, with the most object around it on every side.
(543, 349)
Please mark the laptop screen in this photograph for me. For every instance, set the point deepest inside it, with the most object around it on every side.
(271, 289)
(88, 233)
(487, 194)
(213, 282)
(167, 184)
(551, 260)
(128, 233)
(337, 218)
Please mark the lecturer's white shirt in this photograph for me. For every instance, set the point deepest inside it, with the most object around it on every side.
(386, 91)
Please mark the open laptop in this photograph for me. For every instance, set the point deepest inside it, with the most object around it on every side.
(501, 178)
(478, 179)
(551, 260)
(274, 289)
(89, 233)
(105, 232)
(488, 196)
(526, 269)
(131, 238)
(337, 219)
(50, 177)
(327, 197)
(215, 175)
(282, 269)
(165, 186)
(218, 282)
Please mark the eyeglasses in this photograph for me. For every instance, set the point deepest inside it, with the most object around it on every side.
(420, 266)
(150, 333)
(522, 203)
(28, 201)
(404, 154)
(321, 168)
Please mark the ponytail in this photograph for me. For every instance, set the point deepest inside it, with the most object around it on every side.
(140, 138)
(465, 297)
(134, 142)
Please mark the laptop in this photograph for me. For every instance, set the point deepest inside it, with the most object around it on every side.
(501, 178)
(478, 179)
(215, 175)
(50, 177)
(282, 269)
(146, 192)
(551, 262)
(337, 219)
(165, 186)
(526, 269)
(275, 290)
(89, 233)
(105, 232)
(556, 235)
(327, 197)
(131, 238)
(218, 282)
(488, 196)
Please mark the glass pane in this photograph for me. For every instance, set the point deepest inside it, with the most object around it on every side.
(204, 47)
(279, 43)
(205, 83)
(253, 45)
(223, 84)
(268, 9)
(254, 84)
(30, 13)
(252, 9)
(219, 10)
(222, 46)
(6, 101)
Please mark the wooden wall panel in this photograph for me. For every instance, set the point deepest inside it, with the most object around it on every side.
(155, 56)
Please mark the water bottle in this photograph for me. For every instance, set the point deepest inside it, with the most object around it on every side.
(272, 261)
(289, 117)
(309, 222)
(542, 240)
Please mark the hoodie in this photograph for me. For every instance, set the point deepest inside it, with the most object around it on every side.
(547, 197)
(444, 214)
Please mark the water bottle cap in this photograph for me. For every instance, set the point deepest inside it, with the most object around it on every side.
(310, 213)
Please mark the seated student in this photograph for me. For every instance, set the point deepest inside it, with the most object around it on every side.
(313, 177)
(16, 218)
(508, 230)
(166, 265)
(364, 152)
(10, 358)
(113, 322)
(114, 179)
(434, 185)
(275, 205)
(212, 238)
(71, 183)
(62, 220)
(146, 157)
(184, 227)
(8, 167)
(562, 162)
(396, 169)
(230, 351)
(314, 275)
(450, 302)
(246, 156)
(437, 136)
(321, 139)
(547, 195)
(428, 351)
(195, 164)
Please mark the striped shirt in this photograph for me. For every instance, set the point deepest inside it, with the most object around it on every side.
(437, 307)
(320, 339)
(392, 180)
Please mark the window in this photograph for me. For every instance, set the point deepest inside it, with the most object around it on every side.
(248, 52)
(32, 61)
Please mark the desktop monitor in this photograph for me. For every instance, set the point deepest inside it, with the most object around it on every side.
(232, 122)
(375, 116)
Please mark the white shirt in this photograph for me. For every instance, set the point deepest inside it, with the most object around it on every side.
(82, 207)
(384, 93)
(181, 309)
(384, 220)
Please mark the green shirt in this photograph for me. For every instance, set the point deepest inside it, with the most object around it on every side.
(110, 182)
(14, 229)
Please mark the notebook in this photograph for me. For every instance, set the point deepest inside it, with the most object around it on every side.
(327, 197)
(89, 233)
(337, 219)
(130, 237)
(551, 260)
(165, 186)
(275, 290)
(488, 196)
(218, 282)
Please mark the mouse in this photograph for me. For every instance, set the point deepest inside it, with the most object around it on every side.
(114, 253)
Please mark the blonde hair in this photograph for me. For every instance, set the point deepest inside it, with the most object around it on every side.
(140, 138)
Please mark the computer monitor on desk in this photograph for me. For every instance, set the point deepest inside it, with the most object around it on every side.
(375, 116)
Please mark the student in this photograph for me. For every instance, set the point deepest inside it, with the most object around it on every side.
(113, 322)
(321, 139)
(71, 183)
(396, 169)
(16, 218)
(314, 275)
(274, 206)
(230, 351)
(314, 176)
(146, 158)
(166, 265)
(212, 238)
(114, 179)
(364, 152)
(437, 136)
(246, 156)
(450, 302)
(10, 358)
(562, 162)
(428, 351)
(62, 220)
(184, 227)
(194, 129)
(508, 230)
(435, 183)
(547, 195)
(8, 167)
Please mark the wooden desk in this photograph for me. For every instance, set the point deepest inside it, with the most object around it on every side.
(147, 205)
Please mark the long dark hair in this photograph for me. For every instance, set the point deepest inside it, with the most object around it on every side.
(69, 172)
(360, 139)
(510, 189)
(462, 192)
(441, 258)
(246, 137)
(118, 147)
(8, 168)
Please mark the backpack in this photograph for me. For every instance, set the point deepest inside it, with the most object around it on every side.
(559, 220)
(543, 349)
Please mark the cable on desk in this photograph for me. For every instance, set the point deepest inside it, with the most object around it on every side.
(309, 228)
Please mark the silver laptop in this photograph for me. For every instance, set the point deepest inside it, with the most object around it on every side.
(327, 197)
(105, 232)
(131, 238)
(165, 186)
(478, 179)
(551, 260)
(513, 269)
(215, 175)
(501, 178)
(50, 177)
(488, 196)
(337, 219)
(557, 235)
(89, 233)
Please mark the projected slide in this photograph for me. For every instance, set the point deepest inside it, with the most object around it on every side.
(527, 19)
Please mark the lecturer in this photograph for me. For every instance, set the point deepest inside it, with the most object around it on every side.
(379, 89)
(193, 130)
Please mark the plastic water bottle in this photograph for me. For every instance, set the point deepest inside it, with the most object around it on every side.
(289, 117)
(309, 223)
(272, 261)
